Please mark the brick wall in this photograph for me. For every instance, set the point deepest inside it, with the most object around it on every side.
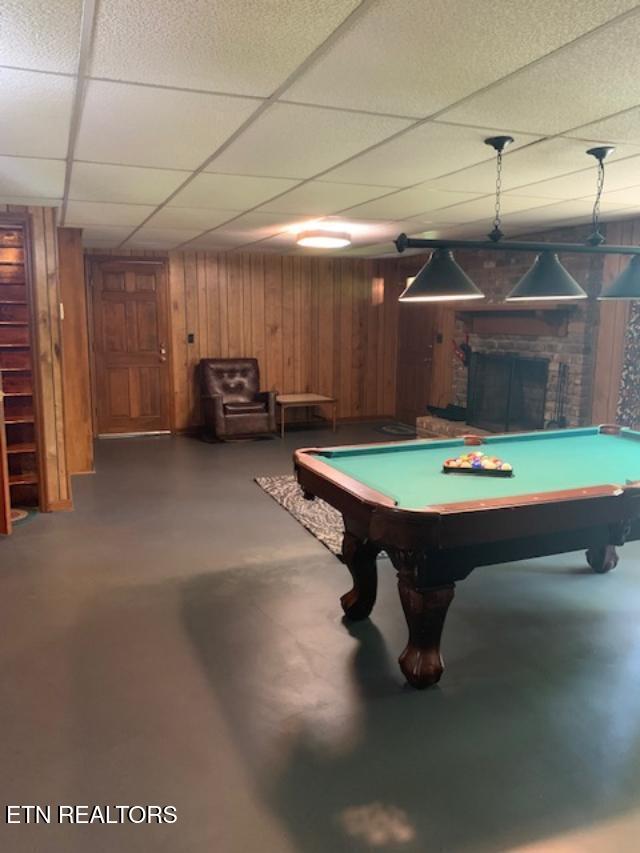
(496, 274)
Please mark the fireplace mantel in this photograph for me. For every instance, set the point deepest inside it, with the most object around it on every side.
(533, 320)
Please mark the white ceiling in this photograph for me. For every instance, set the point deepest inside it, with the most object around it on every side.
(230, 125)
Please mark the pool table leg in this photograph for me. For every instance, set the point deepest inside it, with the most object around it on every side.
(360, 558)
(603, 558)
(425, 611)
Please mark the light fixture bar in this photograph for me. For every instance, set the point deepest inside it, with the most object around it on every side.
(403, 242)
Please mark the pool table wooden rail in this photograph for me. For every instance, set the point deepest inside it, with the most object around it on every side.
(452, 525)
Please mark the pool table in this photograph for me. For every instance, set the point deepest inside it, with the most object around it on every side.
(570, 489)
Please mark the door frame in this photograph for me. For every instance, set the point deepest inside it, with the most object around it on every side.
(137, 259)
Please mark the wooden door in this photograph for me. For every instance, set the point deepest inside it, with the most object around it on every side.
(130, 343)
(5, 500)
(416, 341)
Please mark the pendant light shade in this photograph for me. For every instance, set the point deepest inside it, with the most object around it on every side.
(627, 285)
(441, 280)
(547, 279)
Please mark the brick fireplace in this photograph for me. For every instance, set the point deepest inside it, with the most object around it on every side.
(558, 337)
(561, 334)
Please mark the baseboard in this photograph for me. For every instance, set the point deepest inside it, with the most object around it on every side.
(60, 506)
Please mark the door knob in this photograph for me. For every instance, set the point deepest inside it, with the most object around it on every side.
(163, 352)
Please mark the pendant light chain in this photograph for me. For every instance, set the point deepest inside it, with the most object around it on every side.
(498, 143)
(601, 153)
(497, 234)
(596, 204)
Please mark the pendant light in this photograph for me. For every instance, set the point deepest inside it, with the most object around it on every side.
(546, 280)
(441, 279)
(627, 285)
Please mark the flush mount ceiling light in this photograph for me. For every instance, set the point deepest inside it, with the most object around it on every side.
(319, 239)
(440, 280)
(547, 278)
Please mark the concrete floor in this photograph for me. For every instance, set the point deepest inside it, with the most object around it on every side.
(177, 640)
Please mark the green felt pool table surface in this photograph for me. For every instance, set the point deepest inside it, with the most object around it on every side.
(411, 472)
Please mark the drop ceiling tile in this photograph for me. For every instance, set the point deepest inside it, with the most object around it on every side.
(365, 231)
(41, 34)
(526, 166)
(104, 236)
(122, 184)
(411, 57)
(256, 225)
(581, 84)
(190, 217)
(216, 242)
(622, 127)
(427, 151)
(143, 126)
(619, 175)
(229, 192)
(84, 213)
(484, 208)
(574, 185)
(629, 197)
(472, 231)
(243, 46)
(299, 142)
(317, 198)
(36, 111)
(23, 176)
(375, 250)
(578, 210)
(160, 238)
(408, 203)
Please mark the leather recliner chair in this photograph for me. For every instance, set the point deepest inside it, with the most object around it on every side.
(232, 402)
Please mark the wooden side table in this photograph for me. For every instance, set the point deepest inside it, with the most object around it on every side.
(304, 401)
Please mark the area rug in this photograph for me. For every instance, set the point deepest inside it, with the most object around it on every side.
(320, 519)
(397, 429)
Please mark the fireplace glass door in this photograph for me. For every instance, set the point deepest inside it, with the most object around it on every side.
(507, 393)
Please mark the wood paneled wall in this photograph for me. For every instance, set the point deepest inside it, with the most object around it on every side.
(315, 324)
(48, 366)
(76, 369)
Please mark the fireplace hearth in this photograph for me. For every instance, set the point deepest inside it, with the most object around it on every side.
(506, 392)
